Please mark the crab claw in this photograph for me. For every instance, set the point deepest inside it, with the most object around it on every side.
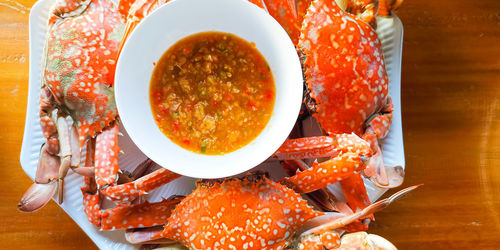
(37, 196)
(45, 186)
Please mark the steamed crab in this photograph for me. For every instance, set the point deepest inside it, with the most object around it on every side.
(77, 105)
(346, 86)
(252, 212)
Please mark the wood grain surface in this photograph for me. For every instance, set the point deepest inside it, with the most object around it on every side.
(451, 125)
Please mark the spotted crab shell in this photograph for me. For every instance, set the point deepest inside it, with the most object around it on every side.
(285, 13)
(79, 64)
(344, 68)
(253, 213)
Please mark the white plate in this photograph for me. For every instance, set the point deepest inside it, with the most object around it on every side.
(390, 31)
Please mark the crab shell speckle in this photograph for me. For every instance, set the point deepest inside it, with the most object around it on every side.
(81, 53)
(344, 68)
(253, 213)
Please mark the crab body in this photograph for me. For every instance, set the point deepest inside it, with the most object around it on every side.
(80, 61)
(254, 212)
(344, 68)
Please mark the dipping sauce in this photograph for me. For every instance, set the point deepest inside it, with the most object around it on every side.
(212, 93)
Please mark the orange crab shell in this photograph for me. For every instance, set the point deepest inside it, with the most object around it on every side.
(285, 13)
(252, 213)
(344, 68)
(80, 60)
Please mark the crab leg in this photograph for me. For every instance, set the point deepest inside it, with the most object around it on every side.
(139, 215)
(69, 152)
(322, 174)
(322, 146)
(91, 202)
(122, 216)
(343, 167)
(64, 153)
(103, 152)
(355, 192)
(91, 199)
(134, 216)
(322, 198)
(131, 216)
(128, 192)
(47, 104)
(106, 156)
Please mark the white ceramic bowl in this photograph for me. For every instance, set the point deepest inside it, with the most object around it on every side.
(174, 21)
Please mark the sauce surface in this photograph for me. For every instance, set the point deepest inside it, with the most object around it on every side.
(212, 93)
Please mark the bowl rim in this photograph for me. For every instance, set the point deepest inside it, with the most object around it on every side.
(243, 161)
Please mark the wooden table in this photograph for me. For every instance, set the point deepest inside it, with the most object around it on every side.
(451, 120)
